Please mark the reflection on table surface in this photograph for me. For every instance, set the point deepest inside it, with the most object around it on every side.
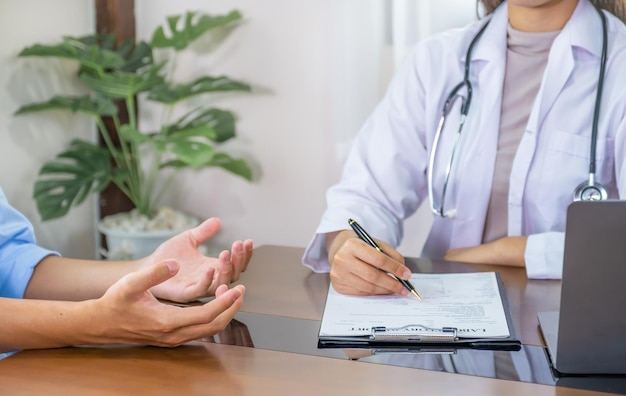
(530, 364)
(236, 333)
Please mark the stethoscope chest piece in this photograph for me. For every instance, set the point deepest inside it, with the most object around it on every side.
(590, 191)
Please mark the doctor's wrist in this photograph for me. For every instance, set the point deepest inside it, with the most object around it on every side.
(335, 240)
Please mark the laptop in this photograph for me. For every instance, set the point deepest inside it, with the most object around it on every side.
(588, 334)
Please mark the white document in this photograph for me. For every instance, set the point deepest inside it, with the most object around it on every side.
(469, 302)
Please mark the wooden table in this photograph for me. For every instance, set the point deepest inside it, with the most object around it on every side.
(278, 286)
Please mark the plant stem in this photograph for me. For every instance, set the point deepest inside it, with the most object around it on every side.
(151, 178)
(165, 185)
(143, 203)
(169, 76)
(132, 188)
(107, 140)
(166, 114)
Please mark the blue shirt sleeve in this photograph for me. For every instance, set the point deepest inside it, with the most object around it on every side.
(19, 253)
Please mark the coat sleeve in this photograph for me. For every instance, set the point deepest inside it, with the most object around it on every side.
(545, 251)
(383, 180)
(544, 255)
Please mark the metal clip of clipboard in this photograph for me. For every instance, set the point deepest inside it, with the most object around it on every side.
(414, 333)
(415, 351)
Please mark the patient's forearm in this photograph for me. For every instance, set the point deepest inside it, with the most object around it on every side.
(60, 278)
(31, 324)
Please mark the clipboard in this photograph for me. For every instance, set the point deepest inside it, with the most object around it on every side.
(415, 336)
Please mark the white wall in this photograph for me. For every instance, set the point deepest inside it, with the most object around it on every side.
(283, 46)
(323, 63)
(26, 142)
(326, 65)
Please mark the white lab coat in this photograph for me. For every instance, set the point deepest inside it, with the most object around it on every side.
(385, 176)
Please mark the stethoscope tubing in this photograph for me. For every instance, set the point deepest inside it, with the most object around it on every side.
(588, 190)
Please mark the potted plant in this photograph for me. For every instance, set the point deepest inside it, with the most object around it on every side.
(116, 74)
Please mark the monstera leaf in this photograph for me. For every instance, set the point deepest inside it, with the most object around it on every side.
(199, 155)
(97, 53)
(122, 85)
(167, 95)
(135, 55)
(187, 149)
(90, 57)
(213, 123)
(98, 107)
(233, 165)
(191, 29)
(67, 180)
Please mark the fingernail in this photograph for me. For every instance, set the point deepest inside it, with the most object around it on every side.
(406, 274)
(404, 292)
(172, 266)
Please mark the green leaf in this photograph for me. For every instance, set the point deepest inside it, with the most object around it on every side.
(136, 57)
(63, 50)
(67, 180)
(90, 56)
(100, 106)
(192, 28)
(97, 53)
(167, 95)
(191, 153)
(214, 124)
(233, 165)
(98, 59)
(236, 166)
(102, 40)
(119, 84)
(131, 134)
(187, 142)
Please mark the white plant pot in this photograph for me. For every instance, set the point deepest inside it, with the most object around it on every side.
(125, 245)
(132, 236)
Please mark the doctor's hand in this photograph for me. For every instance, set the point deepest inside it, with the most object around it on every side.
(199, 276)
(357, 268)
(129, 314)
(503, 251)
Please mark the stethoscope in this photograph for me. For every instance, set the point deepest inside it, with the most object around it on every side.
(588, 190)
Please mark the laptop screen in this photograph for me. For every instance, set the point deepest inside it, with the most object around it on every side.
(591, 334)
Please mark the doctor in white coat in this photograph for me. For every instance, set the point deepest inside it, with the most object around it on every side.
(525, 145)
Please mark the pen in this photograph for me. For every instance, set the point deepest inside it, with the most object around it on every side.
(368, 239)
